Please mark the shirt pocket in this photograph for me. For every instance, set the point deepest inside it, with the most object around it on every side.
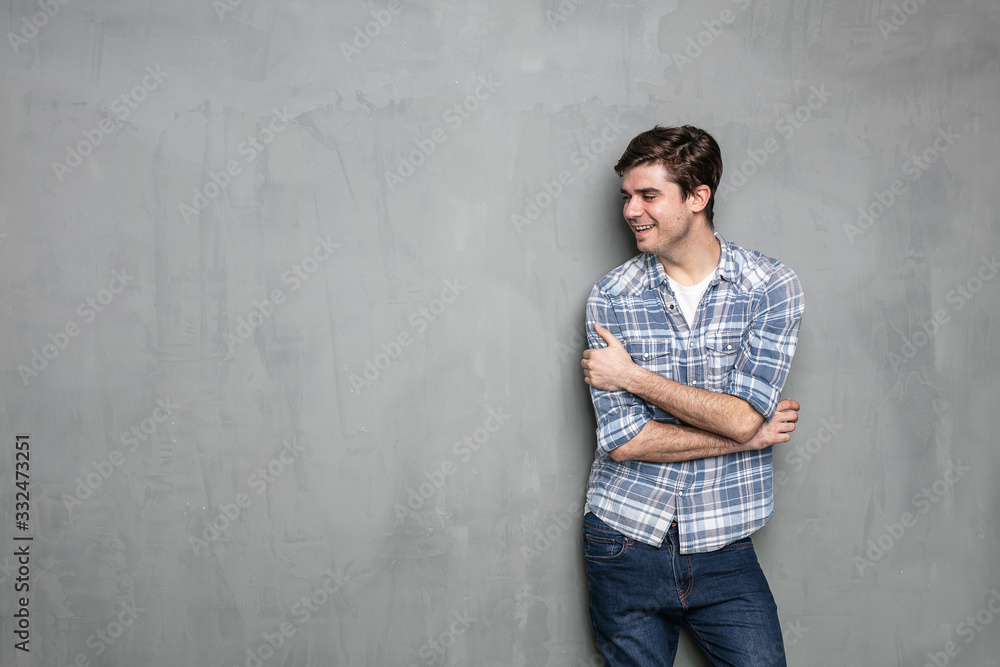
(720, 358)
(653, 355)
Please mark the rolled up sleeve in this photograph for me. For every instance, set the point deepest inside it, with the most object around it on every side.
(766, 353)
(620, 414)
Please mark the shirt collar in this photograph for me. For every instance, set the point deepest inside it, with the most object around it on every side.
(725, 270)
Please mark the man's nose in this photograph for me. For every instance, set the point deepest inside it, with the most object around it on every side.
(633, 209)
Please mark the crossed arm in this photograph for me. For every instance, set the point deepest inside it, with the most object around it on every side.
(718, 423)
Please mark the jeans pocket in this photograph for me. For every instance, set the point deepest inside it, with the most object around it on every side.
(602, 546)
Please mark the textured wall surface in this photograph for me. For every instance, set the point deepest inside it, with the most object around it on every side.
(292, 309)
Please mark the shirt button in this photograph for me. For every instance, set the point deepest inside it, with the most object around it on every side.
(729, 347)
(694, 382)
(671, 306)
(692, 344)
(645, 355)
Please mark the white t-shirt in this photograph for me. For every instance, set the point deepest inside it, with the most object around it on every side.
(688, 298)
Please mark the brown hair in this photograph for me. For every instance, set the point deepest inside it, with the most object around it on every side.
(690, 155)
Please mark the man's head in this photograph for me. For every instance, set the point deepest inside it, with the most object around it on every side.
(690, 156)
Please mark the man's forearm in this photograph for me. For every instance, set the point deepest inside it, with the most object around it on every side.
(722, 414)
(657, 442)
(670, 443)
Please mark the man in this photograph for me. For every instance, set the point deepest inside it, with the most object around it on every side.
(691, 342)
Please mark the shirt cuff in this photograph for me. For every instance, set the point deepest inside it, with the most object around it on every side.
(622, 427)
(762, 396)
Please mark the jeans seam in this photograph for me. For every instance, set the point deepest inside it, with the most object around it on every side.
(683, 594)
(703, 644)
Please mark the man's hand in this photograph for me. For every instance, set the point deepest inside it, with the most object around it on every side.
(607, 368)
(779, 429)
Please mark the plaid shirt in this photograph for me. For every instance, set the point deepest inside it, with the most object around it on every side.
(746, 329)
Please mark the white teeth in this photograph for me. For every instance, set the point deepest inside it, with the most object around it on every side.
(642, 229)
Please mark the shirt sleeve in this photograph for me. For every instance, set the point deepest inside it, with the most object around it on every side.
(620, 414)
(766, 353)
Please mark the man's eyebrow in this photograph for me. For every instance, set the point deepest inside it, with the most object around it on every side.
(642, 191)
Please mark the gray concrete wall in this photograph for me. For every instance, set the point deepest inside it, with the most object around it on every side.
(292, 317)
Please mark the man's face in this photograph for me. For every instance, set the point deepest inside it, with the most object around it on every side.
(654, 208)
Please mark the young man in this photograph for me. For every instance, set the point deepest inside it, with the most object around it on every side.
(691, 342)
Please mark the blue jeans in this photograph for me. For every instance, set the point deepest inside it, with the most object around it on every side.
(640, 596)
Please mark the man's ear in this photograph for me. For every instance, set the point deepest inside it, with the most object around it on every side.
(699, 198)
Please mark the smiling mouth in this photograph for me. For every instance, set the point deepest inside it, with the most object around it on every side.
(643, 228)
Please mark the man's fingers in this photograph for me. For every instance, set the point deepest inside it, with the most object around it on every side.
(785, 416)
(788, 404)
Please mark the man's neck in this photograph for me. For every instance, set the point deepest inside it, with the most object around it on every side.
(690, 262)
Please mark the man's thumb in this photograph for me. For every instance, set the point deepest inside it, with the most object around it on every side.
(606, 335)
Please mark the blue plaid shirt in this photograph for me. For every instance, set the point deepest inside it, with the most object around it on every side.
(745, 332)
